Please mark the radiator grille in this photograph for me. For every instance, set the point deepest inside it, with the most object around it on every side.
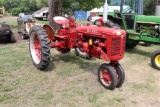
(116, 47)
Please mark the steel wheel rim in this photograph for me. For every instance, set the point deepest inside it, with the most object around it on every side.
(81, 51)
(105, 77)
(157, 60)
(35, 48)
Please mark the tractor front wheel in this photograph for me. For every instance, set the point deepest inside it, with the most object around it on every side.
(120, 75)
(39, 47)
(155, 59)
(107, 76)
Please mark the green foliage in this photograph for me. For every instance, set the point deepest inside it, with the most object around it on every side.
(149, 7)
(26, 6)
(41, 3)
(69, 6)
(2, 2)
(16, 11)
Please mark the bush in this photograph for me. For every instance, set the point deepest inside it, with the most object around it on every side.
(25, 10)
(16, 11)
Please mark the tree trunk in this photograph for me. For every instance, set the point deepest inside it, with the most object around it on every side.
(55, 9)
(51, 13)
(58, 8)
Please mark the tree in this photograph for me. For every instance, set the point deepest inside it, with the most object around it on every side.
(55, 9)
(149, 7)
(51, 13)
(41, 3)
(65, 6)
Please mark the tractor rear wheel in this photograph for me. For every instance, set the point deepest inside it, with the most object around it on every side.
(107, 76)
(39, 47)
(120, 75)
(155, 59)
(81, 53)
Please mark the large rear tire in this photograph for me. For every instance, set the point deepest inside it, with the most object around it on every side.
(39, 47)
(155, 59)
(107, 76)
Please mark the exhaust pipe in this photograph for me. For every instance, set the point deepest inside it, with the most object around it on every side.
(105, 12)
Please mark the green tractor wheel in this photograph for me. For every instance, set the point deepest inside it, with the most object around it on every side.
(155, 59)
(131, 45)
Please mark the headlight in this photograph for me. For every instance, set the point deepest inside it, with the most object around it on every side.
(118, 33)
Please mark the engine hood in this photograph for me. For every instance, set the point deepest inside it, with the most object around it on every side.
(99, 31)
(148, 19)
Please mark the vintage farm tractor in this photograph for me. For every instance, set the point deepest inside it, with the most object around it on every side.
(97, 41)
(128, 15)
(25, 22)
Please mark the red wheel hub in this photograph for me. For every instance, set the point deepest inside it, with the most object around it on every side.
(37, 47)
(81, 49)
(106, 76)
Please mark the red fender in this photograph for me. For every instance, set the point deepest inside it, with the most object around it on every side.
(50, 32)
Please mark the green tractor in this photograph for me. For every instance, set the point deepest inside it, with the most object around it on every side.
(128, 15)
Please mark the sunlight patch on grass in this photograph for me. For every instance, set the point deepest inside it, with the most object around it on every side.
(46, 97)
(5, 98)
(92, 98)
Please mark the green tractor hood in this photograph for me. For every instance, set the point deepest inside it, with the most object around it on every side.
(148, 19)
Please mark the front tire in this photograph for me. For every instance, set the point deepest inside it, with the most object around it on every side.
(107, 76)
(39, 47)
(155, 59)
(120, 75)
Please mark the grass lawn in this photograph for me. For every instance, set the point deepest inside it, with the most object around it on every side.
(71, 81)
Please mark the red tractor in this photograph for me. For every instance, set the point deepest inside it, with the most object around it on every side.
(89, 41)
